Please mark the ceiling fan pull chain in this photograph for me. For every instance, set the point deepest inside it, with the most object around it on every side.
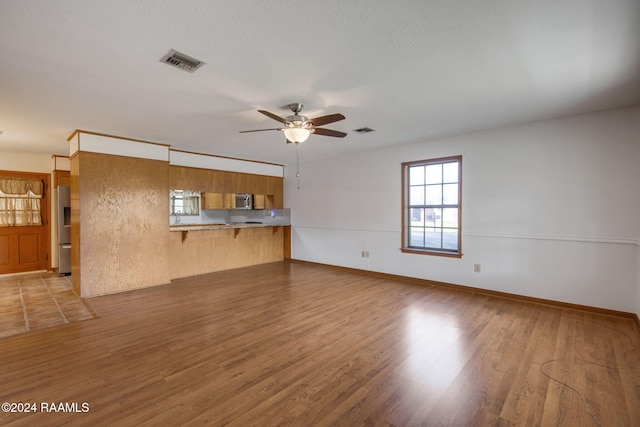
(298, 165)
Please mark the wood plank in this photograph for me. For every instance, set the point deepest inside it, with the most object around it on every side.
(289, 343)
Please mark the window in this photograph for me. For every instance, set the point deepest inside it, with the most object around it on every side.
(20, 201)
(184, 202)
(432, 203)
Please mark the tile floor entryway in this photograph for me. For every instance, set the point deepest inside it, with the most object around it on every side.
(38, 301)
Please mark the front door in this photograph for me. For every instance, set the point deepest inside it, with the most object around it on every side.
(26, 248)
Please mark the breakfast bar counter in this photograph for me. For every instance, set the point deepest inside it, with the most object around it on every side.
(207, 248)
(197, 227)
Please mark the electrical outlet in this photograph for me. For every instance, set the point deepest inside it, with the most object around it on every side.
(366, 254)
(476, 268)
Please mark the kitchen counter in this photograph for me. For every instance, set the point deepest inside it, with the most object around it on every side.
(197, 227)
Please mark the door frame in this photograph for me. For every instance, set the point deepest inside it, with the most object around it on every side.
(45, 209)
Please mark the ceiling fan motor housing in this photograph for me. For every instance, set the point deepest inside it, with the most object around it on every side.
(296, 120)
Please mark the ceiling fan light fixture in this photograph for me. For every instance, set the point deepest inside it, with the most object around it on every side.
(297, 128)
(297, 134)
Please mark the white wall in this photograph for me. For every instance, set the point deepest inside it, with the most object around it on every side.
(37, 163)
(638, 286)
(636, 136)
(550, 210)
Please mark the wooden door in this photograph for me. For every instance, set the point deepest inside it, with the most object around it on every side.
(26, 248)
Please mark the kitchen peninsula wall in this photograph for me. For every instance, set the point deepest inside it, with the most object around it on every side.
(120, 206)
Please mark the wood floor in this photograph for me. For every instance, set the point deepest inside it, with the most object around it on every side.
(305, 345)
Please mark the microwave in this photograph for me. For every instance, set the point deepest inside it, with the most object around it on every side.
(244, 201)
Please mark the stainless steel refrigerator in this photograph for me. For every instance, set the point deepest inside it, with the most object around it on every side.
(64, 230)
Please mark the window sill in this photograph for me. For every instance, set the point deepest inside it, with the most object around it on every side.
(430, 252)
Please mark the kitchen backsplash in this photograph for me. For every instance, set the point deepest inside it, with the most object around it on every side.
(229, 216)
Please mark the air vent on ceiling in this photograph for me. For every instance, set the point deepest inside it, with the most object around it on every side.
(181, 61)
(363, 130)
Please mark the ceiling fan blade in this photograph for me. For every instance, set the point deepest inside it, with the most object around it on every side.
(258, 130)
(329, 132)
(325, 120)
(273, 116)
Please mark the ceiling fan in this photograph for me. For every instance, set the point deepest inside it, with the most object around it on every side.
(297, 128)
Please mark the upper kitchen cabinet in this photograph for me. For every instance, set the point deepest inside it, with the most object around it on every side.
(210, 201)
(217, 201)
(219, 183)
(264, 201)
(214, 174)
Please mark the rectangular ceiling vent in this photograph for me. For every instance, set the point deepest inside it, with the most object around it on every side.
(181, 61)
(363, 130)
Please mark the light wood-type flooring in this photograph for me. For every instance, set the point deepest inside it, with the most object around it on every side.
(297, 344)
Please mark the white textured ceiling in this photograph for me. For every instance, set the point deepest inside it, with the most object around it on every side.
(411, 70)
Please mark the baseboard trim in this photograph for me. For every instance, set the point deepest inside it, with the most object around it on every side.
(506, 295)
(23, 273)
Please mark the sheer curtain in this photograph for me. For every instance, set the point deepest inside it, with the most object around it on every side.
(184, 202)
(191, 203)
(20, 201)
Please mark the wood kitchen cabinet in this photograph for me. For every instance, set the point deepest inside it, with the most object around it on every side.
(263, 201)
(216, 181)
(227, 201)
(217, 201)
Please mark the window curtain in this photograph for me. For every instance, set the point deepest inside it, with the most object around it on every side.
(184, 202)
(191, 203)
(20, 201)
